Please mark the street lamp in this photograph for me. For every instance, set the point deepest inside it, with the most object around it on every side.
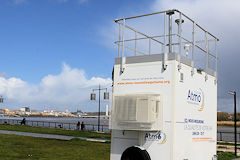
(1, 99)
(235, 120)
(93, 97)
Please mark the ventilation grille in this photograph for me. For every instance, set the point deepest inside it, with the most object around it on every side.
(135, 111)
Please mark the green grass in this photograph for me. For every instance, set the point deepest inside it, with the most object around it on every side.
(54, 131)
(14, 147)
(30, 148)
(228, 144)
(226, 156)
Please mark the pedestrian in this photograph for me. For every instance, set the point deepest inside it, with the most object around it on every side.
(78, 125)
(23, 122)
(82, 126)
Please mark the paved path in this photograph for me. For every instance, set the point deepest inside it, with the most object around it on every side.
(51, 136)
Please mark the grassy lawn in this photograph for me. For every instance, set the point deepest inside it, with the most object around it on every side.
(54, 131)
(14, 147)
(228, 144)
(226, 156)
(20, 147)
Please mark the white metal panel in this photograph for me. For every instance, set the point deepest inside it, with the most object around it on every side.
(182, 112)
(196, 108)
(147, 78)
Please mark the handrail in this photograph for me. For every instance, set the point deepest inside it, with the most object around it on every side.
(151, 37)
(140, 33)
(54, 124)
(143, 15)
(196, 33)
(220, 133)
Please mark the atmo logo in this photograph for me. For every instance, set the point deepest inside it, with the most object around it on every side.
(196, 97)
(160, 137)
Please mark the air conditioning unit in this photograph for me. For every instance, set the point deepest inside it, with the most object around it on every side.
(134, 112)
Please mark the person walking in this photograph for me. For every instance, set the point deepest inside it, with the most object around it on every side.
(23, 122)
(78, 125)
(82, 126)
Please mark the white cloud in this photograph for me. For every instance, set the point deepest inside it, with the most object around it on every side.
(70, 88)
(3, 74)
(217, 16)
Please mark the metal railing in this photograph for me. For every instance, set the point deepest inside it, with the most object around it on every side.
(51, 124)
(187, 36)
(227, 136)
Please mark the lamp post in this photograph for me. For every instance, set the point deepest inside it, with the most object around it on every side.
(235, 120)
(1, 99)
(93, 97)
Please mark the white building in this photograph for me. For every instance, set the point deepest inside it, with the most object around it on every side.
(25, 109)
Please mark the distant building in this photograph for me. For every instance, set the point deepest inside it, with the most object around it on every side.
(25, 109)
(79, 113)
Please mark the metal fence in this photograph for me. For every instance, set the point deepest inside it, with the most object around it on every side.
(227, 136)
(51, 124)
(221, 135)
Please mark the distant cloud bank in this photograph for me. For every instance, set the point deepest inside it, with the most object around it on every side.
(70, 88)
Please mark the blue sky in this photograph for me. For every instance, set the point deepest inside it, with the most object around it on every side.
(53, 52)
(38, 36)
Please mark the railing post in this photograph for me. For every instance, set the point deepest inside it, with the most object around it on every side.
(207, 57)
(170, 13)
(180, 33)
(193, 47)
(149, 49)
(216, 54)
(135, 50)
(193, 40)
(165, 31)
(206, 43)
(123, 37)
(119, 43)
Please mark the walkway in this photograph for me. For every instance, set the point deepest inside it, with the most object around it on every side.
(51, 136)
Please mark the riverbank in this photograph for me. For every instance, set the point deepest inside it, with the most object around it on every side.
(227, 123)
(75, 133)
